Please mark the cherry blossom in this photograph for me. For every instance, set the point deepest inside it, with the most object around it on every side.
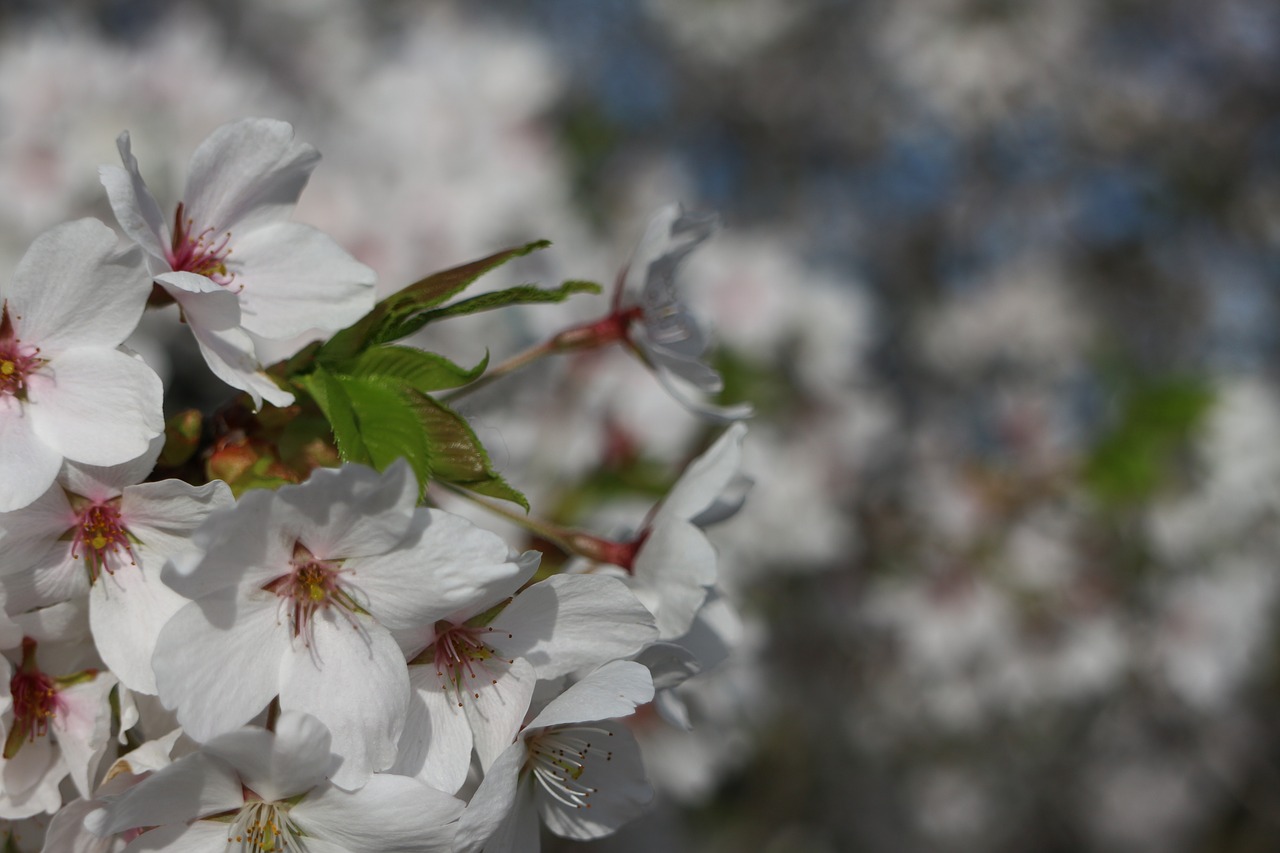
(67, 390)
(230, 257)
(663, 330)
(296, 593)
(473, 683)
(57, 725)
(670, 564)
(254, 789)
(583, 777)
(100, 531)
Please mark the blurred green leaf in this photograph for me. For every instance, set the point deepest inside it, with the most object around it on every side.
(1131, 461)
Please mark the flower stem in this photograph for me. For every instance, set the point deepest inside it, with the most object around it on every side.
(570, 541)
(607, 330)
(495, 373)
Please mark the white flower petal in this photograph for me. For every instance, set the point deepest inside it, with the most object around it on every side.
(193, 786)
(519, 832)
(435, 746)
(64, 622)
(135, 208)
(103, 407)
(214, 318)
(163, 516)
(29, 781)
(569, 622)
(98, 482)
(83, 726)
(613, 690)
(28, 536)
(203, 836)
(496, 707)
(355, 681)
(710, 411)
(28, 466)
(352, 511)
(247, 173)
(688, 366)
(390, 814)
(445, 566)
(706, 477)
(127, 610)
(74, 288)
(493, 801)
(56, 579)
(297, 279)
(278, 765)
(242, 543)
(218, 661)
(673, 569)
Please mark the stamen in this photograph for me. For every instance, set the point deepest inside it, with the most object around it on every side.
(99, 533)
(264, 828)
(17, 360)
(204, 254)
(558, 758)
(35, 701)
(463, 658)
(311, 586)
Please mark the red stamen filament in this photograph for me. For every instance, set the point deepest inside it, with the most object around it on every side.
(204, 254)
(17, 360)
(461, 656)
(35, 701)
(98, 534)
(313, 585)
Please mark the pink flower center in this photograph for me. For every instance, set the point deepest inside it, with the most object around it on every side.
(17, 360)
(35, 701)
(98, 534)
(464, 662)
(203, 253)
(311, 586)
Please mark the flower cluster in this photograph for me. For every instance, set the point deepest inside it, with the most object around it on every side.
(257, 629)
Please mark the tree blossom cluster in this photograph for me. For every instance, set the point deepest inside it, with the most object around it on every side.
(308, 653)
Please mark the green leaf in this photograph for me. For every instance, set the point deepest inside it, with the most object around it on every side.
(388, 425)
(456, 454)
(338, 410)
(524, 294)
(1156, 417)
(421, 295)
(418, 369)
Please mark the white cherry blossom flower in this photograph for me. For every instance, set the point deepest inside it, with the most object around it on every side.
(67, 391)
(663, 331)
(296, 593)
(101, 532)
(67, 831)
(57, 725)
(230, 257)
(253, 789)
(473, 683)
(670, 564)
(583, 777)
